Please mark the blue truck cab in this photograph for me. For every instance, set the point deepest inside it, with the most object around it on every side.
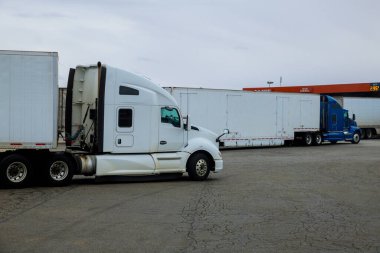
(335, 123)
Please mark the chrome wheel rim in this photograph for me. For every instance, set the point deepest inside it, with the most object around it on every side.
(318, 139)
(308, 139)
(59, 170)
(201, 167)
(356, 137)
(16, 172)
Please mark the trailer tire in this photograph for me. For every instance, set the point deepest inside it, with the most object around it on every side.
(362, 134)
(308, 139)
(15, 171)
(198, 167)
(368, 133)
(317, 140)
(59, 170)
(356, 138)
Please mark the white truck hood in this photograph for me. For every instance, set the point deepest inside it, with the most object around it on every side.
(197, 131)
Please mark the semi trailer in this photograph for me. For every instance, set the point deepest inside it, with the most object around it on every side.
(267, 119)
(367, 111)
(116, 123)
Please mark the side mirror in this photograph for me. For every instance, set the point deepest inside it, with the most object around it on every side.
(225, 131)
(186, 123)
(353, 116)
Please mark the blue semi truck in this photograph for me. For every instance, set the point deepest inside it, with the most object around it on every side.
(335, 124)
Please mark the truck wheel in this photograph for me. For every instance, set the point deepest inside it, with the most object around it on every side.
(198, 167)
(355, 138)
(317, 139)
(368, 133)
(59, 170)
(308, 139)
(15, 171)
(362, 135)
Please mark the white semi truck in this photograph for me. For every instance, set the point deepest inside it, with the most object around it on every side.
(117, 124)
(257, 119)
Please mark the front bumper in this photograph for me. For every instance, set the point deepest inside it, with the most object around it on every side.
(218, 166)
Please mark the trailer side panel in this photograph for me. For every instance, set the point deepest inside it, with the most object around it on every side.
(253, 119)
(28, 100)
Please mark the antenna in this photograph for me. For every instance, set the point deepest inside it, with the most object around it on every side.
(187, 112)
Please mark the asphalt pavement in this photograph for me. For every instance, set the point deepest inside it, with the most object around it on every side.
(288, 199)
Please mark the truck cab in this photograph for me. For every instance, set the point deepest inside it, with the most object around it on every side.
(129, 126)
(335, 122)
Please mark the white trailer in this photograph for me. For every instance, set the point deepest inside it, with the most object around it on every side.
(28, 99)
(116, 123)
(253, 119)
(367, 112)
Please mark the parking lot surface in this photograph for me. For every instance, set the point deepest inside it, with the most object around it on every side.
(294, 199)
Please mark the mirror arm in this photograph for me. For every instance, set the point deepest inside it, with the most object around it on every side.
(226, 131)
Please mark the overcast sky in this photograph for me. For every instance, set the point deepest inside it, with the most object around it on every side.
(205, 43)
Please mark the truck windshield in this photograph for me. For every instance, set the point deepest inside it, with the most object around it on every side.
(171, 116)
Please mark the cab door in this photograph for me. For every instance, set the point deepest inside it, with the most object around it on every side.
(171, 131)
(333, 122)
(346, 120)
(124, 128)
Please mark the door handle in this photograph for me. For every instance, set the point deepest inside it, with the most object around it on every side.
(163, 142)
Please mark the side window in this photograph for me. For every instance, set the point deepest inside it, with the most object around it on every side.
(333, 118)
(346, 120)
(124, 90)
(125, 118)
(170, 116)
